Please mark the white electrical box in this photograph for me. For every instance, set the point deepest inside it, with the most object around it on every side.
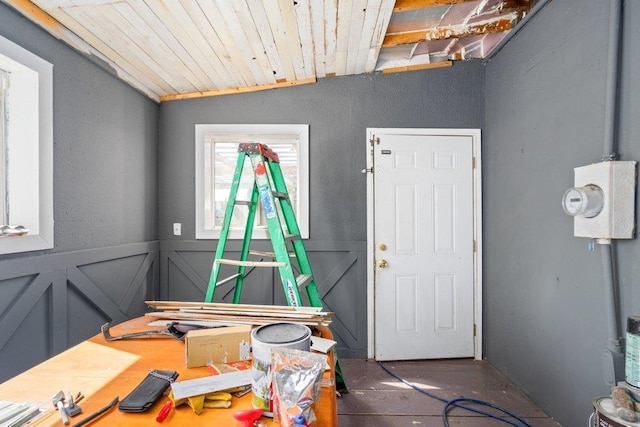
(603, 200)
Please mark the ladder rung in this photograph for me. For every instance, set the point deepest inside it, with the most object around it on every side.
(303, 279)
(223, 281)
(251, 263)
(243, 202)
(290, 237)
(269, 254)
(280, 195)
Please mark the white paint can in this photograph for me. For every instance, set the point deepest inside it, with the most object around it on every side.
(263, 339)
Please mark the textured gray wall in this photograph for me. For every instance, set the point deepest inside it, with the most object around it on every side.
(545, 324)
(105, 260)
(338, 111)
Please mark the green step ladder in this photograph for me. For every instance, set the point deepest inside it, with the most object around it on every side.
(270, 190)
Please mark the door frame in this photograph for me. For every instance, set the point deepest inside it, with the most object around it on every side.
(477, 225)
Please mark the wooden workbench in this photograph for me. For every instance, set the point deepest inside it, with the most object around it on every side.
(102, 370)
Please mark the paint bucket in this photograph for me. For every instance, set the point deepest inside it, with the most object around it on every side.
(606, 416)
(263, 339)
(632, 354)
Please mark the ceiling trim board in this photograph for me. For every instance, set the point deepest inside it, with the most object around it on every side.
(416, 67)
(236, 90)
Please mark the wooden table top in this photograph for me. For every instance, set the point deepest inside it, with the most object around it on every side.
(102, 370)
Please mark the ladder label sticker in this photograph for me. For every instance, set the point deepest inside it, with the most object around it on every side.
(292, 294)
(263, 184)
(269, 211)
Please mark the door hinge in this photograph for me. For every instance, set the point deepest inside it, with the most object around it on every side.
(473, 163)
(474, 330)
(374, 140)
(475, 247)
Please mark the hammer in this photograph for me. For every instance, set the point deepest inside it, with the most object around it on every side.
(58, 401)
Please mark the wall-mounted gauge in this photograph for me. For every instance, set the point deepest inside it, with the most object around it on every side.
(585, 201)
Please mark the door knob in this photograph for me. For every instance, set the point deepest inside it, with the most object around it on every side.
(383, 263)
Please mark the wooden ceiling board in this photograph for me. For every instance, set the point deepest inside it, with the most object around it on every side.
(302, 10)
(317, 9)
(178, 49)
(263, 28)
(235, 22)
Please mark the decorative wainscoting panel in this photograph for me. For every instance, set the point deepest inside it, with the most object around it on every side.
(51, 302)
(339, 269)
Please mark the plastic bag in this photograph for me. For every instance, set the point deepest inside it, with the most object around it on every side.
(296, 385)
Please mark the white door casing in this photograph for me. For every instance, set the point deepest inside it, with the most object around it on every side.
(424, 217)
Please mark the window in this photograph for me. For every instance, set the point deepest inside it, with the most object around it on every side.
(26, 150)
(216, 158)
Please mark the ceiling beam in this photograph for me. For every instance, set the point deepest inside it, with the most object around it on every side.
(495, 25)
(406, 5)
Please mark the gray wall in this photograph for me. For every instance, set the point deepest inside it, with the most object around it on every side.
(338, 111)
(105, 259)
(545, 324)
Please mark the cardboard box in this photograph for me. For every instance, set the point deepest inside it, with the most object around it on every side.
(218, 345)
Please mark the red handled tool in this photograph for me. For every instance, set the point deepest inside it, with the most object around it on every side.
(164, 412)
(248, 417)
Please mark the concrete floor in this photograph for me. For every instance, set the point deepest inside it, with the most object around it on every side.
(376, 398)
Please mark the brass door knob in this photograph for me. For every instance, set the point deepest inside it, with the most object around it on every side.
(383, 263)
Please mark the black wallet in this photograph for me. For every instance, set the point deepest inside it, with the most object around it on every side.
(148, 391)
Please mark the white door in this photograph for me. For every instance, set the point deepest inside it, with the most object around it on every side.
(423, 192)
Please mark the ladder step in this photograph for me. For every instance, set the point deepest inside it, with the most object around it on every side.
(269, 254)
(223, 281)
(243, 202)
(251, 263)
(280, 195)
(303, 279)
(290, 237)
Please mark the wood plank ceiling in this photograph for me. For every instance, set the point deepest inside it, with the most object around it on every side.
(175, 49)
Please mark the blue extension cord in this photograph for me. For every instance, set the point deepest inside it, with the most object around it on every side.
(456, 402)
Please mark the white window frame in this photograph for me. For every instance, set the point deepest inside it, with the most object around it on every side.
(251, 133)
(30, 146)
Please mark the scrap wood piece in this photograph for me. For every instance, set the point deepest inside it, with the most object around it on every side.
(241, 320)
(244, 307)
(291, 315)
(247, 314)
(240, 309)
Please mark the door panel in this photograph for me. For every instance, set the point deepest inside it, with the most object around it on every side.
(423, 232)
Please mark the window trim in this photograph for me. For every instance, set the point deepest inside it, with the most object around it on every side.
(302, 214)
(44, 237)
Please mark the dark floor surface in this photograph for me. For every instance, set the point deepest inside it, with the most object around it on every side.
(377, 399)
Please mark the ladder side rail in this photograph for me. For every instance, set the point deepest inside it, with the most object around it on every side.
(289, 217)
(275, 230)
(246, 243)
(226, 225)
